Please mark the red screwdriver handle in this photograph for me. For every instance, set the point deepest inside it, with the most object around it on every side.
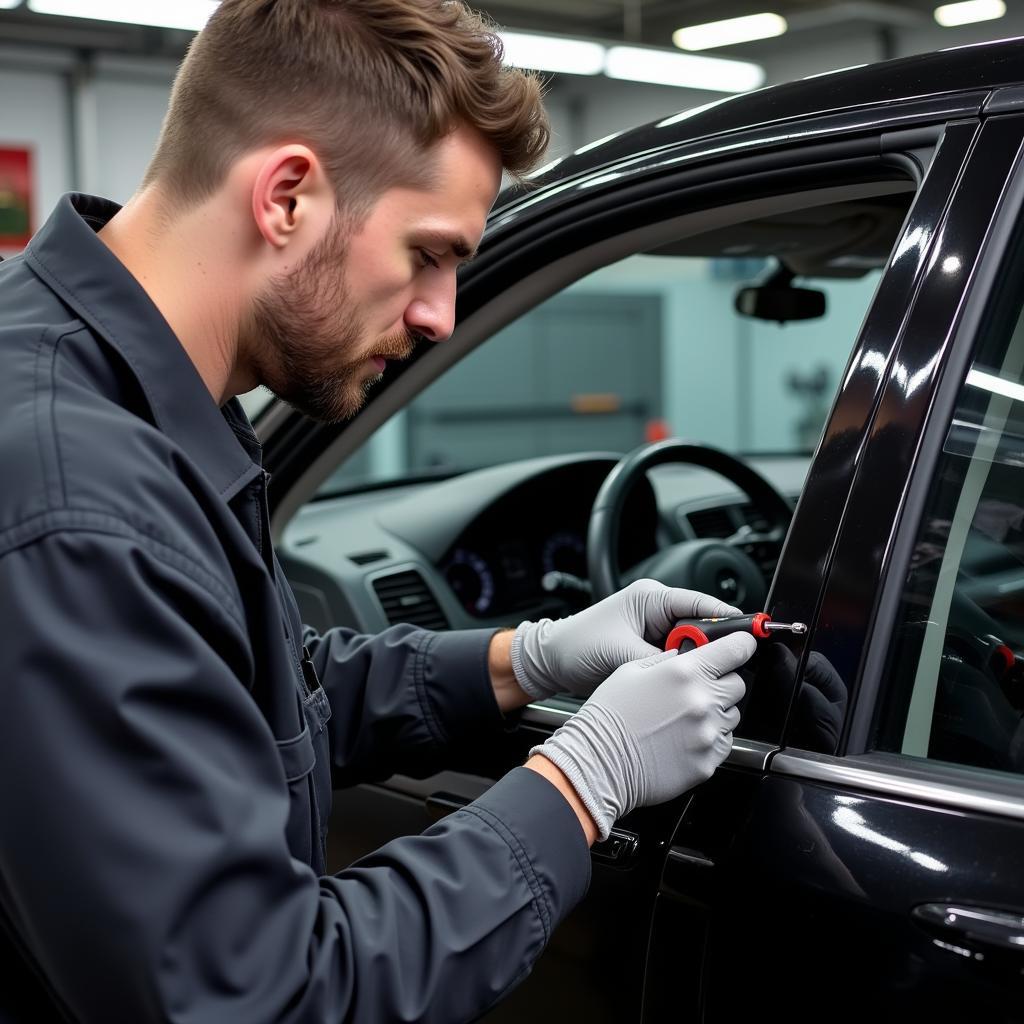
(685, 632)
(698, 632)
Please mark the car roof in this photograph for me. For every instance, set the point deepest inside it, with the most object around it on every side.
(974, 68)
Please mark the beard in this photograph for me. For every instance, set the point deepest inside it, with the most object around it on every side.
(309, 343)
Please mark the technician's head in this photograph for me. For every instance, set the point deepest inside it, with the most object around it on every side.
(357, 146)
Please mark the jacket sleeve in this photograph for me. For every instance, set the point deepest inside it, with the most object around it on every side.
(404, 700)
(144, 867)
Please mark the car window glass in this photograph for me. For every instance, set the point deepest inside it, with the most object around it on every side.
(955, 681)
(256, 401)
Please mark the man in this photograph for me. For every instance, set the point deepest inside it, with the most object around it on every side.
(169, 731)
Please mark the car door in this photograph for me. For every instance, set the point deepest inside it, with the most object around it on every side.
(871, 866)
(595, 964)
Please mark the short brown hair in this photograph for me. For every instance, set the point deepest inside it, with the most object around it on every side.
(369, 85)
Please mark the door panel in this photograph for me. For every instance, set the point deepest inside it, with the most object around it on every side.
(593, 968)
(812, 911)
(806, 557)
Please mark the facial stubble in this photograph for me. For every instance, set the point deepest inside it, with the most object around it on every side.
(309, 339)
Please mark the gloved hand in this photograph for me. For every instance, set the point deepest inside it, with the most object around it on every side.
(654, 729)
(576, 653)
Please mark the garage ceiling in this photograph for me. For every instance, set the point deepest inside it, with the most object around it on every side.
(646, 21)
(654, 21)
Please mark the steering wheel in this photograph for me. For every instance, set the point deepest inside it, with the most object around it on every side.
(710, 566)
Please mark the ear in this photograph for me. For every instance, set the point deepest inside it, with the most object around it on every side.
(289, 195)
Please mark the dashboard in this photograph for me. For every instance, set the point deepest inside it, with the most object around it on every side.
(533, 542)
(495, 546)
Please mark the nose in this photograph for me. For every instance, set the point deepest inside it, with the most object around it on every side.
(432, 312)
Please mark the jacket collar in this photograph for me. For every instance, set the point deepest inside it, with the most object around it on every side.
(69, 258)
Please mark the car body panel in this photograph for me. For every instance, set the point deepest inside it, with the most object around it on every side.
(810, 904)
(955, 76)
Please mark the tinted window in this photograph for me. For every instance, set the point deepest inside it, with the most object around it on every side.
(956, 672)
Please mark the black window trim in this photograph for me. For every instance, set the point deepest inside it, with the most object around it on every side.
(975, 312)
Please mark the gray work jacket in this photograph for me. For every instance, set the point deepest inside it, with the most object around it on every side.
(167, 757)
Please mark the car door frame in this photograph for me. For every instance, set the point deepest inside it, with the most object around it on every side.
(823, 829)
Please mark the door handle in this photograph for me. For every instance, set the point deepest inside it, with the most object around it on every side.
(619, 848)
(973, 926)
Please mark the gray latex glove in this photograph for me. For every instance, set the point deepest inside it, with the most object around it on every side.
(654, 729)
(574, 654)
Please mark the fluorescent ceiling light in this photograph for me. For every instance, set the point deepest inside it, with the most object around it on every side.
(662, 67)
(727, 33)
(190, 15)
(951, 15)
(998, 386)
(8, 4)
(553, 53)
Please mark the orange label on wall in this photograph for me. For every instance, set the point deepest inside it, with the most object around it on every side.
(594, 404)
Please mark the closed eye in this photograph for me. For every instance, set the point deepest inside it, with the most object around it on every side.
(428, 259)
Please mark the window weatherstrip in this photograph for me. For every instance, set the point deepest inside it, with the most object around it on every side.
(903, 785)
(541, 714)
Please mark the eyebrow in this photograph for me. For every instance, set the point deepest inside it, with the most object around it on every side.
(457, 244)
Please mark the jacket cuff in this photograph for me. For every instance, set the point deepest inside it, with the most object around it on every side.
(453, 684)
(545, 837)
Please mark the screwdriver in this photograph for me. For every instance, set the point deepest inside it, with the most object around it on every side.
(690, 633)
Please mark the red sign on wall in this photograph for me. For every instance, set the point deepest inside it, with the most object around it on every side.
(16, 199)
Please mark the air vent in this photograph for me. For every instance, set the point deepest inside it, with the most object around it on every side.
(712, 522)
(754, 519)
(405, 597)
(369, 557)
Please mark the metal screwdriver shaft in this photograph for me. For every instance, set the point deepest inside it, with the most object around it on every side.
(788, 627)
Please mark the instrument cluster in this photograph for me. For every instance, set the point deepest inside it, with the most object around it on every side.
(500, 577)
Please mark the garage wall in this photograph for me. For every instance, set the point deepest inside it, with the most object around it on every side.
(34, 113)
(130, 99)
(740, 384)
(91, 126)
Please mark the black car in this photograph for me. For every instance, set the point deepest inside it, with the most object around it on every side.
(859, 233)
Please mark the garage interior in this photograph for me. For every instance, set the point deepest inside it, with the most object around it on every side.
(85, 95)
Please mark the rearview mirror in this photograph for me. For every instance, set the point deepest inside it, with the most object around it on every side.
(776, 299)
